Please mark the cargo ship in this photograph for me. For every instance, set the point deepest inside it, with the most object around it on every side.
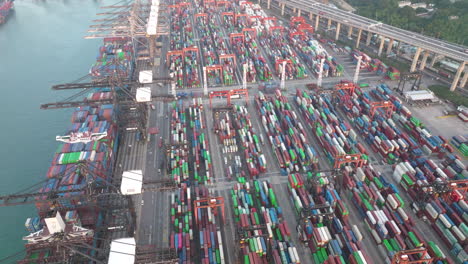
(5, 9)
(84, 158)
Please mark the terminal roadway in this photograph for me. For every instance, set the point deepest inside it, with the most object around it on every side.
(451, 50)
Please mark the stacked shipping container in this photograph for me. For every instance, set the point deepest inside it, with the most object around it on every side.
(199, 139)
(255, 206)
(285, 133)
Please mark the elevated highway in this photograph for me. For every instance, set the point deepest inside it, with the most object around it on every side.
(424, 45)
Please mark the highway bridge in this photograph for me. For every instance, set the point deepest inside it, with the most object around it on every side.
(424, 45)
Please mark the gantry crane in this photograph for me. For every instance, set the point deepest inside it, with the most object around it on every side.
(419, 255)
(254, 232)
(445, 189)
(297, 33)
(229, 94)
(132, 115)
(356, 159)
(226, 57)
(235, 36)
(347, 87)
(294, 21)
(237, 17)
(210, 202)
(204, 16)
(387, 105)
(96, 194)
(321, 211)
(280, 62)
(334, 177)
(251, 32)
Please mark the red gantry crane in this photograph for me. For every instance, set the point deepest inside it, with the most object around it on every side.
(387, 105)
(420, 254)
(357, 159)
(210, 202)
(229, 94)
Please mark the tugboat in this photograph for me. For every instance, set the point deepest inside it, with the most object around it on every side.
(5, 8)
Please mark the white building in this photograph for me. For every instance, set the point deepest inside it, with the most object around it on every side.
(403, 3)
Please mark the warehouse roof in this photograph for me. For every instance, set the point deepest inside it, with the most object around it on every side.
(420, 95)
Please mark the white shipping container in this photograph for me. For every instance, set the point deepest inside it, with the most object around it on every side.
(403, 214)
(432, 212)
(463, 205)
(376, 237)
(291, 255)
(362, 257)
(444, 221)
(357, 233)
(458, 234)
(360, 174)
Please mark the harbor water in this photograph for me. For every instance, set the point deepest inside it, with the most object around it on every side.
(41, 44)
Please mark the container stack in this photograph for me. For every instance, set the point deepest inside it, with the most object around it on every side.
(374, 65)
(200, 146)
(178, 160)
(182, 231)
(248, 51)
(181, 37)
(393, 73)
(224, 128)
(98, 155)
(365, 59)
(192, 77)
(419, 138)
(213, 44)
(311, 52)
(383, 69)
(256, 161)
(33, 224)
(286, 134)
(382, 209)
(334, 135)
(208, 231)
(461, 143)
(115, 56)
(255, 205)
(278, 50)
(329, 238)
(380, 132)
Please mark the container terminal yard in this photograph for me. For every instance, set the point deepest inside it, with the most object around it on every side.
(224, 132)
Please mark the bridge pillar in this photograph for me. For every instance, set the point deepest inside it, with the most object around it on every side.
(298, 12)
(329, 23)
(268, 4)
(464, 79)
(358, 38)
(317, 20)
(435, 59)
(397, 49)
(282, 9)
(457, 76)
(415, 60)
(350, 31)
(369, 38)
(310, 16)
(382, 43)
(424, 60)
(390, 46)
(337, 35)
(294, 10)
